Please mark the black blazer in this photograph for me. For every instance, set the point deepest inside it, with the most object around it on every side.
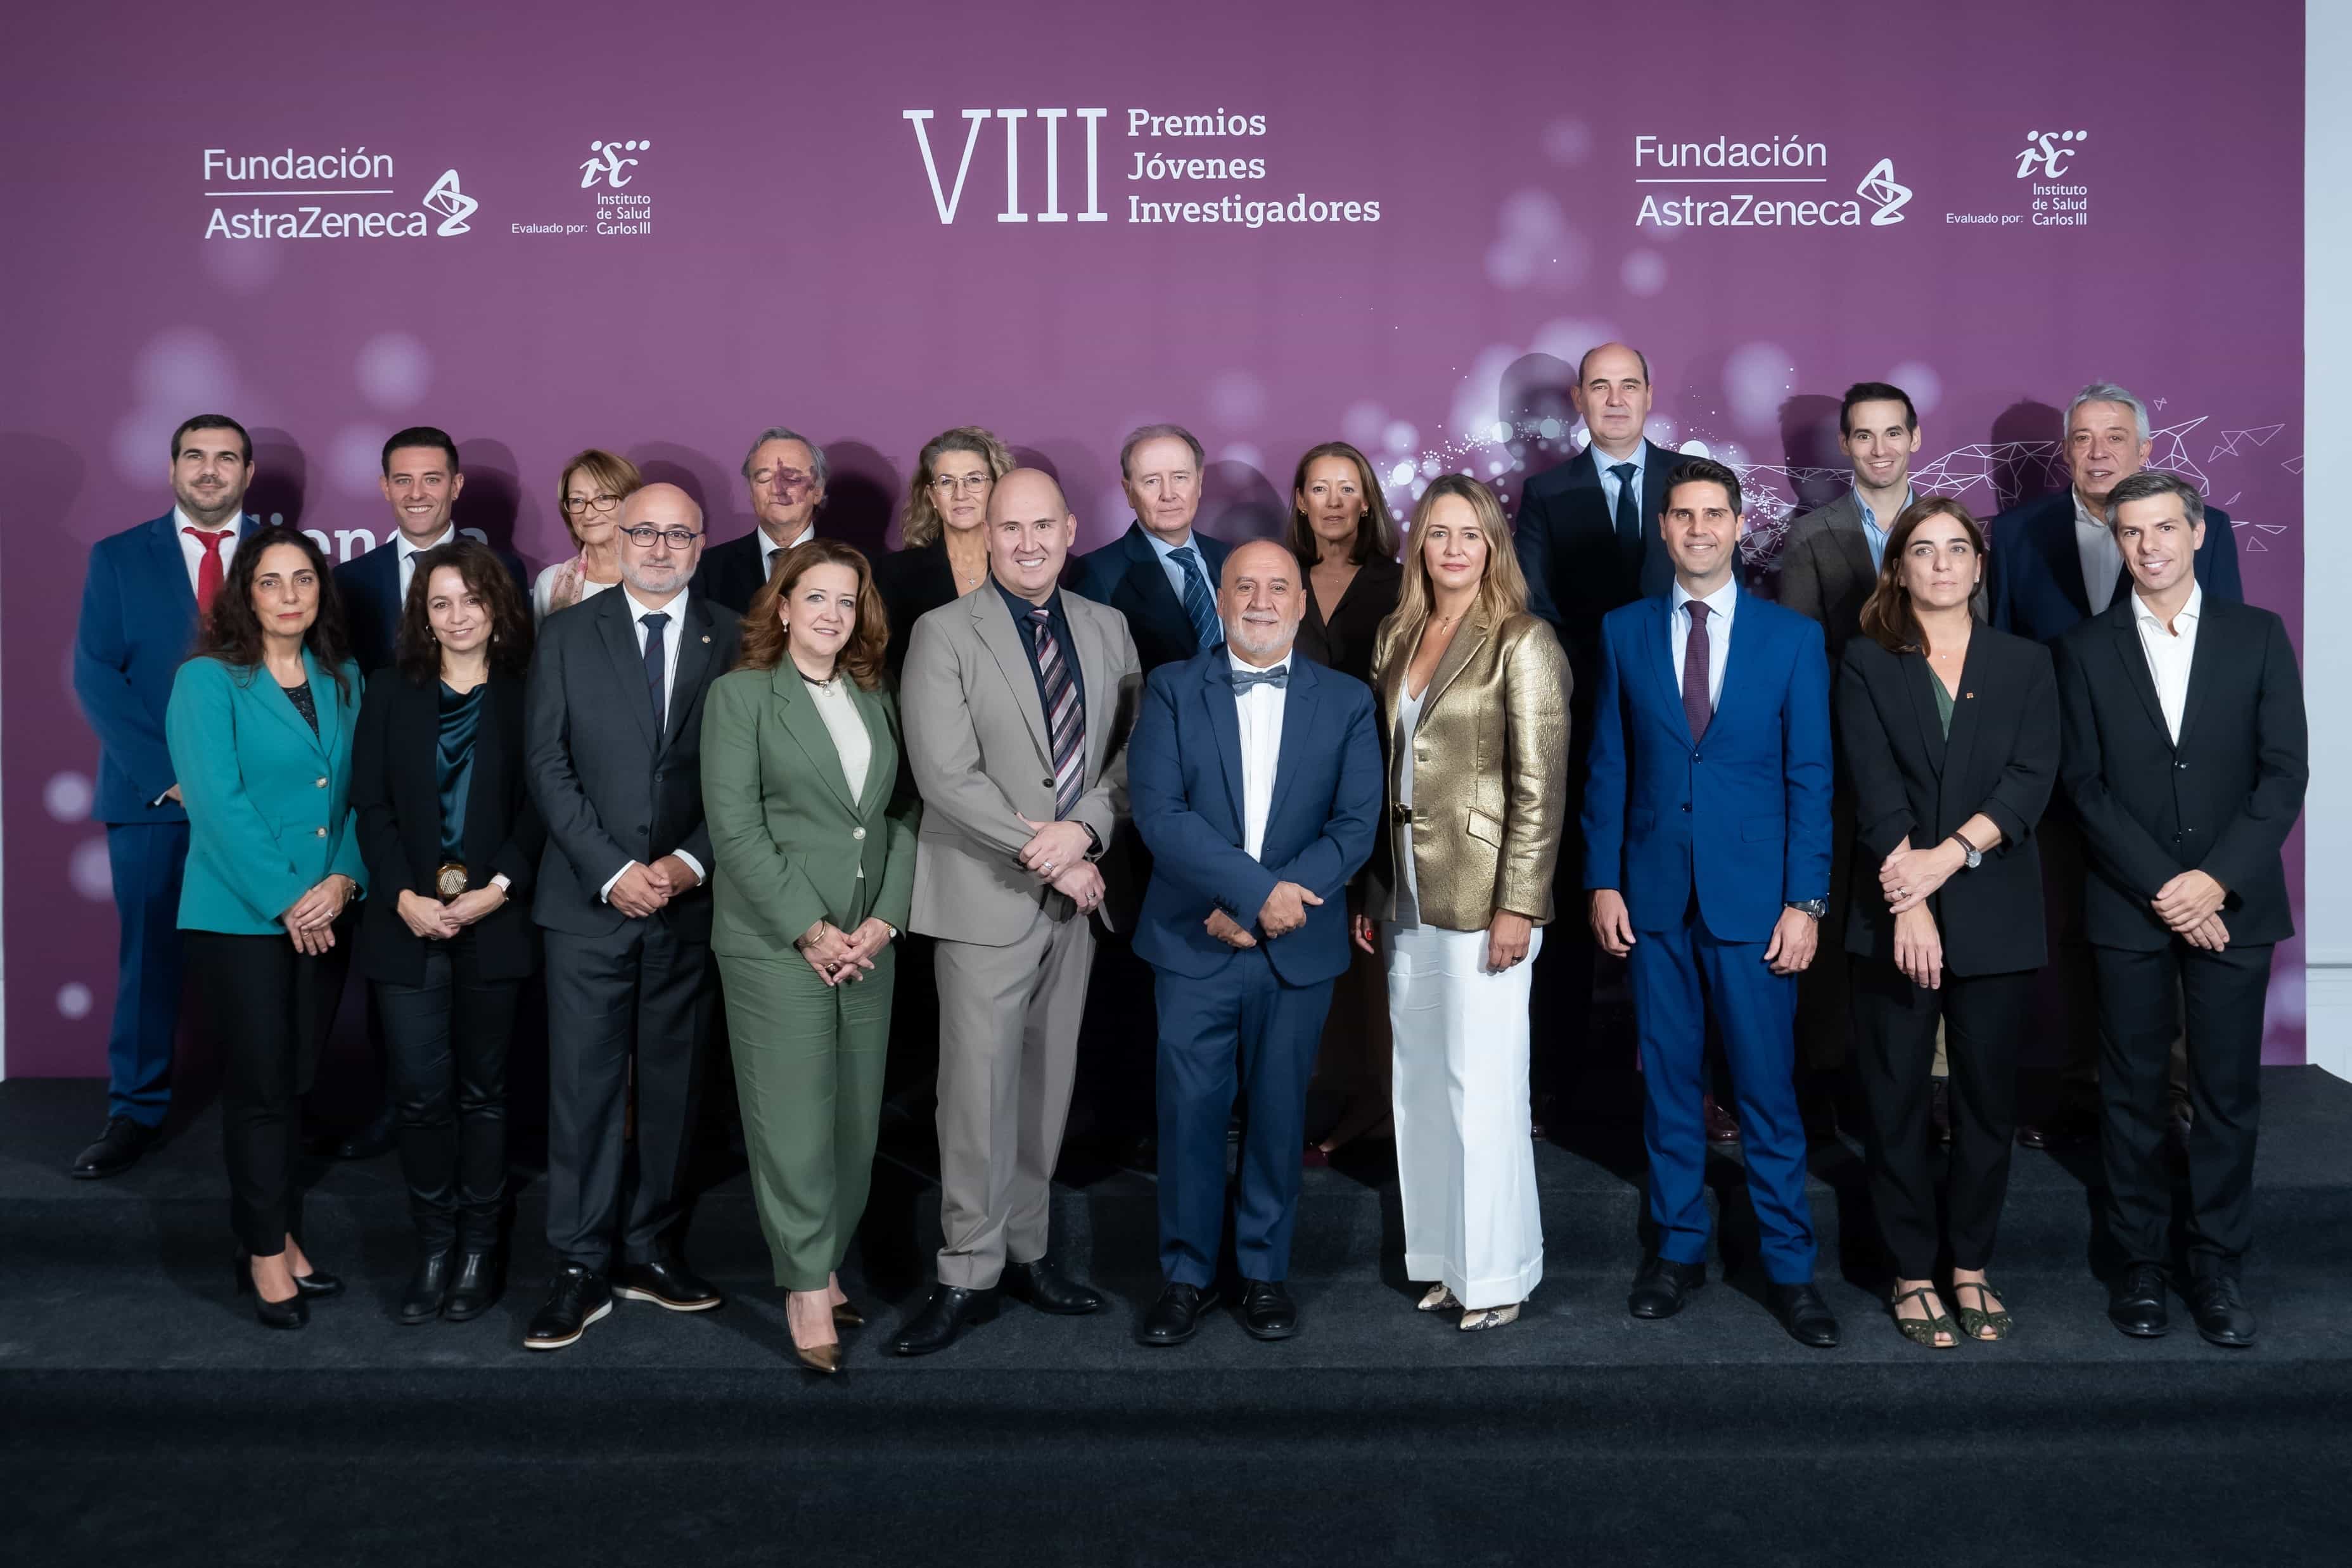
(1345, 642)
(611, 790)
(912, 583)
(2222, 801)
(396, 791)
(1126, 574)
(368, 586)
(729, 574)
(2035, 568)
(1910, 781)
(1567, 544)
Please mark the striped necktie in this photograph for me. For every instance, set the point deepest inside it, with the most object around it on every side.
(1200, 604)
(1066, 716)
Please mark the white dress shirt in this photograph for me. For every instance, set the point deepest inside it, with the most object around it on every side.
(770, 549)
(409, 552)
(847, 726)
(191, 548)
(2170, 653)
(1718, 636)
(2102, 558)
(1260, 709)
(672, 634)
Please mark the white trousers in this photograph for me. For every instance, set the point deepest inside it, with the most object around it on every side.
(1465, 1166)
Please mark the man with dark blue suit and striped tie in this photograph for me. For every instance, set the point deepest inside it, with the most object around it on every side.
(146, 591)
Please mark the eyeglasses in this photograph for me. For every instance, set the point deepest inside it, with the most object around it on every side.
(790, 481)
(978, 483)
(583, 503)
(644, 535)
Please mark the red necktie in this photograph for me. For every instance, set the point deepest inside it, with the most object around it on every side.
(209, 574)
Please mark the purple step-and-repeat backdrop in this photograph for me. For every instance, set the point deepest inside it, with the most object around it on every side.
(661, 228)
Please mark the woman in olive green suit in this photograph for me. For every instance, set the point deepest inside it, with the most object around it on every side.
(813, 831)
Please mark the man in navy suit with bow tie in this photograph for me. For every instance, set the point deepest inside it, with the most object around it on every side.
(1254, 779)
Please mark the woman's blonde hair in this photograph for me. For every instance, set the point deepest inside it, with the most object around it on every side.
(617, 474)
(920, 523)
(1502, 586)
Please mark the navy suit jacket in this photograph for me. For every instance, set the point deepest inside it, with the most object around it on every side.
(370, 587)
(1565, 539)
(138, 624)
(1126, 574)
(1184, 787)
(1744, 815)
(2036, 572)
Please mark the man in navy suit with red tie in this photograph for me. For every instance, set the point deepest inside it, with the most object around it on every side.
(147, 587)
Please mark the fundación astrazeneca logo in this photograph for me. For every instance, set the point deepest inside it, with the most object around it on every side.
(2047, 152)
(607, 165)
(453, 205)
(1881, 187)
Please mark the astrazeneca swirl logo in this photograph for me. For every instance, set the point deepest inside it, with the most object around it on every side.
(453, 205)
(2046, 152)
(607, 165)
(1881, 187)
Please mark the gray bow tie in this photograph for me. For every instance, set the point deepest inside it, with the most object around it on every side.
(1244, 679)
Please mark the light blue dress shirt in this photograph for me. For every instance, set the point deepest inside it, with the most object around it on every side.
(1175, 569)
(1872, 530)
(1609, 484)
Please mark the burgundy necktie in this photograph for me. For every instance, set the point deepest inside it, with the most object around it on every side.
(1696, 705)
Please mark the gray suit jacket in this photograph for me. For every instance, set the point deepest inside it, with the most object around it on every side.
(1825, 570)
(976, 741)
(611, 790)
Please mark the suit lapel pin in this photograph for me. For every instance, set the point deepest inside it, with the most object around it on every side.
(706, 636)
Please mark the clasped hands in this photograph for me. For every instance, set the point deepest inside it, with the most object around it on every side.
(2190, 906)
(644, 890)
(1908, 877)
(309, 921)
(437, 922)
(1284, 911)
(841, 956)
(1056, 855)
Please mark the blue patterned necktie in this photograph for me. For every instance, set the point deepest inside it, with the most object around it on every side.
(1279, 679)
(656, 663)
(1199, 602)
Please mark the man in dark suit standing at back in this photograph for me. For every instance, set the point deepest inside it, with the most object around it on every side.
(615, 722)
(786, 473)
(147, 591)
(2187, 755)
(1588, 542)
(2055, 564)
(1828, 566)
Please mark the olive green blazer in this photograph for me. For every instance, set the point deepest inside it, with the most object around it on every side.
(788, 839)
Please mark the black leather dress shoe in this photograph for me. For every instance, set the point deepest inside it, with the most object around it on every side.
(1268, 1310)
(2067, 1130)
(1176, 1315)
(1661, 1286)
(1049, 1289)
(580, 1297)
(666, 1283)
(117, 1150)
(951, 1310)
(475, 1288)
(317, 1283)
(428, 1286)
(373, 1139)
(1804, 1314)
(2135, 1301)
(293, 1312)
(2222, 1316)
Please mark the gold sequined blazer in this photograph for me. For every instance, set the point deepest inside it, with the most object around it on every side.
(1490, 773)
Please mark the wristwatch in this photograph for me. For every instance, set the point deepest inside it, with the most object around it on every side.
(1975, 855)
(1816, 907)
(1094, 843)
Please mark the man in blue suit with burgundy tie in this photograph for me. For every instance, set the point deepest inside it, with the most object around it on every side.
(147, 586)
(1707, 825)
(1254, 778)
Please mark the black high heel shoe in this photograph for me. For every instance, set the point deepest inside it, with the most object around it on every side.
(293, 1312)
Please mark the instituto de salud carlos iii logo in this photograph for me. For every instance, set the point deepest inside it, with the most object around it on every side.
(608, 163)
(2046, 152)
(1880, 186)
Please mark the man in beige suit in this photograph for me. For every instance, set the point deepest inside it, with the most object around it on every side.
(1017, 701)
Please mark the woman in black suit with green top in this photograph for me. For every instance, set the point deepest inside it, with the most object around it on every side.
(1949, 731)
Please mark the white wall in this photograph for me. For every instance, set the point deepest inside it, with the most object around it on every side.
(2327, 630)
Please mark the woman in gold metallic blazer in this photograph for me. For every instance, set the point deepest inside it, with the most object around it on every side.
(1472, 694)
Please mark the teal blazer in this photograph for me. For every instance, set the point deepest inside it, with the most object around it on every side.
(788, 838)
(269, 812)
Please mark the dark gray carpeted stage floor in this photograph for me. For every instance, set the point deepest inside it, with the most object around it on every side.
(147, 1417)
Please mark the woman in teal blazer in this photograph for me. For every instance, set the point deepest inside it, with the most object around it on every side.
(814, 829)
(259, 727)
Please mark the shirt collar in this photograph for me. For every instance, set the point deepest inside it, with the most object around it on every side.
(2191, 611)
(639, 609)
(1021, 607)
(1719, 602)
(407, 549)
(2084, 517)
(769, 548)
(181, 521)
(1163, 550)
(1870, 515)
(1639, 460)
(1240, 666)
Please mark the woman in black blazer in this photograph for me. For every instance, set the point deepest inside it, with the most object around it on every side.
(452, 843)
(943, 548)
(1949, 731)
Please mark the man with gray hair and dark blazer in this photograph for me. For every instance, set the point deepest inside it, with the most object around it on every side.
(786, 473)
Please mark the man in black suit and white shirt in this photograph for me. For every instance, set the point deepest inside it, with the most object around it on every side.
(786, 473)
(614, 752)
(2186, 757)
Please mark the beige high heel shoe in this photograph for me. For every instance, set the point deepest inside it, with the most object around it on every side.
(1477, 1318)
(1438, 1300)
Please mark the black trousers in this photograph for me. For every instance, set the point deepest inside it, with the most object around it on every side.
(269, 1007)
(447, 1040)
(1894, 1021)
(2141, 997)
(643, 995)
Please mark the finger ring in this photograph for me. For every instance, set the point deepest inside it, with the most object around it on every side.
(1049, 865)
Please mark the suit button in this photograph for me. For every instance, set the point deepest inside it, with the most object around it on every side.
(856, 832)
(1048, 783)
(321, 783)
(657, 775)
(323, 832)
(1685, 805)
(2183, 766)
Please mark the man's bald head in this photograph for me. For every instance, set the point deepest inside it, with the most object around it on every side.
(658, 571)
(1261, 600)
(1030, 532)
